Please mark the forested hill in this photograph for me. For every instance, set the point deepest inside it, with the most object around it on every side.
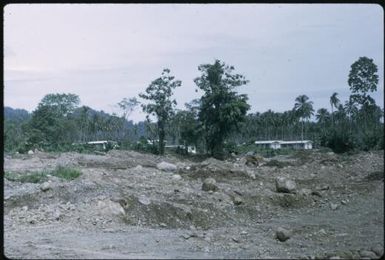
(16, 114)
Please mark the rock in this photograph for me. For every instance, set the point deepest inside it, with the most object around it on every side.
(30, 152)
(344, 202)
(165, 166)
(138, 168)
(369, 254)
(24, 208)
(305, 192)
(378, 249)
(209, 184)
(45, 186)
(334, 257)
(322, 231)
(236, 240)
(244, 233)
(177, 177)
(285, 185)
(316, 193)
(144, 200)
(57, 215)
(237, 200)
(283, 234)
(333, 206)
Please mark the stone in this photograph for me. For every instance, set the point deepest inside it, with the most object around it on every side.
(138, 168)
(369, 254)
(285, 185)
(30, 152)
(305, 192)
(333, 206)
(237, 200)
(378, 249)
(45, 186)
(165, 166)
(24, 208)
(144, 200)
(283, 234)
(177, 177)
(209, 184)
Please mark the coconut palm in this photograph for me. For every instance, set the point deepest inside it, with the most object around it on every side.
(334, 102)
(304, 109)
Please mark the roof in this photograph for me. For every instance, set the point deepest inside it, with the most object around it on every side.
(266, 142)
(283, 142)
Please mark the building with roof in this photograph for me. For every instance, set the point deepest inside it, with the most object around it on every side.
(278, 144)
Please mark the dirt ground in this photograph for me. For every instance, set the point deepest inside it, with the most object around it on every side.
(125, 206)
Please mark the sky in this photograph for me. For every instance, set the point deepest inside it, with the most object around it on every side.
(107, 52)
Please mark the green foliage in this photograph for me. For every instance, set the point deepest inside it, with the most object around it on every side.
(66, 173)
(363, 76)
(221, 109)
(62, 172)
(34, 177)
(160, 92)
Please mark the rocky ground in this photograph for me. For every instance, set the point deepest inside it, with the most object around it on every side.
(125, 204)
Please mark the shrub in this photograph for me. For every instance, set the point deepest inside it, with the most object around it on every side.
(66, 173)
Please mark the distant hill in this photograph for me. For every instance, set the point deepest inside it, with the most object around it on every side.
(16, 114)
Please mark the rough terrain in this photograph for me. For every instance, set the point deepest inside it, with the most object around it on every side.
(127, 205)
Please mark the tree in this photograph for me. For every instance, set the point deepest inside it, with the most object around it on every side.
(50, 123)
(362, 79)
(128, 106)
(221, 109)
(62, 103)
(304, 109)
(334, 102)
(160, 92)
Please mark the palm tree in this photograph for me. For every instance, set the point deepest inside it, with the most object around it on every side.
(322, 116)
(334, 102)
(304, 109)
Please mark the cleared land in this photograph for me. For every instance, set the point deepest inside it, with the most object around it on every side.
(125, 205)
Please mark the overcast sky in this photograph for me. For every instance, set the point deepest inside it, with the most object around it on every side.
(105, 52)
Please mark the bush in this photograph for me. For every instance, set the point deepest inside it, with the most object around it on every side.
(340, 142)
(66, 173)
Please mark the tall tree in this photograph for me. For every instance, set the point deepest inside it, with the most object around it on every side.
(334, 102)
(162, 106)
(362, 79)
(222, 108)
(304, 109)
(128, 105)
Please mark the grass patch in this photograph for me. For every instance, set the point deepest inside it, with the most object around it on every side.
(42, 176)
(66, 173)
(32, 177)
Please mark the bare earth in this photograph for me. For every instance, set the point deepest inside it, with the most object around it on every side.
(123, 206)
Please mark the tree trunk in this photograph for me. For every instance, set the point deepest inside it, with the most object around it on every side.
(161, 136)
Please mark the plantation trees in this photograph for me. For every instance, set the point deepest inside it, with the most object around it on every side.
(160, 92)
(221, 109)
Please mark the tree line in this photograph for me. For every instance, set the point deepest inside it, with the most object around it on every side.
(213, 123)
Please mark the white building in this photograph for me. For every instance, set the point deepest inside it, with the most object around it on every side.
(278, 144)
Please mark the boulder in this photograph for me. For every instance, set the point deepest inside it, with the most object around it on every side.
(30, 152)
(45, 186)
(237, 200)
(283, 234)
(209, 184)
(285, 185)
(165, 166)
(177, 177)
(305, 192)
